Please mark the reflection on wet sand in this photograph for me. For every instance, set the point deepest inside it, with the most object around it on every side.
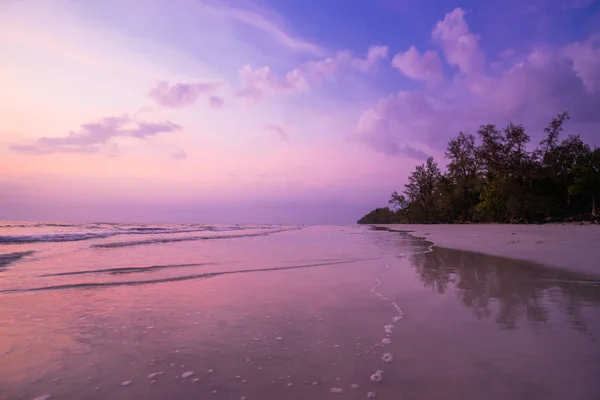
(306, 314)
(511, 292)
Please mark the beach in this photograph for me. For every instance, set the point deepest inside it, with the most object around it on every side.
(569, 246)
(123, 311)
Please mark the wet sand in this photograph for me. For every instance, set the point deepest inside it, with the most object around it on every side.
(306, 314)
(569, 246)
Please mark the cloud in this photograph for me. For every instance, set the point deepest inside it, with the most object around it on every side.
(93, 136)
(426, 67)
(374, 55)
(257, 82)
(268, 22)
(216, 102)
(327, 68)
(180, 94)
(460, 46)
(530, 89)
(179, 155)
(279, 132)
(376, 131)
(262, 81)
(586, 61)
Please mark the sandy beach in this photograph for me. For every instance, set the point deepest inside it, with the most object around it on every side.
(569, 246)
(259, 312)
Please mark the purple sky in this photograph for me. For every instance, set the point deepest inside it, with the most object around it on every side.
(269, 111)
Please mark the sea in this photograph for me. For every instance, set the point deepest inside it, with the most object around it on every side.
(199, 311)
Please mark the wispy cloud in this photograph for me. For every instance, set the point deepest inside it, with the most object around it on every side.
(266, 21)
(181, 94)
(91, 137)
(179, 155)
(279, 132)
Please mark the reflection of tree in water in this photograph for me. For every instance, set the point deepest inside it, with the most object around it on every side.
(522, 290)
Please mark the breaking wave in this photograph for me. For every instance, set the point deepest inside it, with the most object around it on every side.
(110, 232)
(182, 239)
(9, 258)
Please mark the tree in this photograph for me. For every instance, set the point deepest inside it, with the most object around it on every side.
(508, 168)
(552, 131)
(378, 216)
(464, 171)
(587, 178)
(556, 161)
(491, 152)
(400, 206)
(421, 185)
(492, 176)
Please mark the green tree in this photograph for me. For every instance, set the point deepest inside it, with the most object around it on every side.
(421, 186)
(464, 172)
(556, 161)
(508, 168)
(401, 206)
(492, 176)
(379, 216)
(587, 178)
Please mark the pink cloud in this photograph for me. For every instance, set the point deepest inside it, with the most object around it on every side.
(180, 94)
(257, 82)
(327, 68)
(216, 102)
(460, 46)
(179, 155)
(261, 81)
(374, 55)
(531, 90)
(426, 67)
(586, 61)
(374, 130)
(93, 136)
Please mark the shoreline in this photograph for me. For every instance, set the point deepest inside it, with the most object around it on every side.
(571, 246)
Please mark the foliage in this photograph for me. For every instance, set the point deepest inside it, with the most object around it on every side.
(379, 216)
(587, 178)
(493, 177)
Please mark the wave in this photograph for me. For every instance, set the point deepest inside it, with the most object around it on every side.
(144, 229)
(42, 224)
(183, 239)
(54, 237)
(74, 237)
(96, 285)
(126, 270)
(9, 258)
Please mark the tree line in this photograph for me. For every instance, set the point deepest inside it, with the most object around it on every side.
(493, 177)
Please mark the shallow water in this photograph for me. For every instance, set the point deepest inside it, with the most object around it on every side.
(268, 312)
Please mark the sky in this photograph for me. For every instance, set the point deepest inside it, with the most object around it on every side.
(269, 111)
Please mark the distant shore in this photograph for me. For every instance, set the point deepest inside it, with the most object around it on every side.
(569, 246)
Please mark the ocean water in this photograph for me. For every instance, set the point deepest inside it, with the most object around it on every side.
(195, 311)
